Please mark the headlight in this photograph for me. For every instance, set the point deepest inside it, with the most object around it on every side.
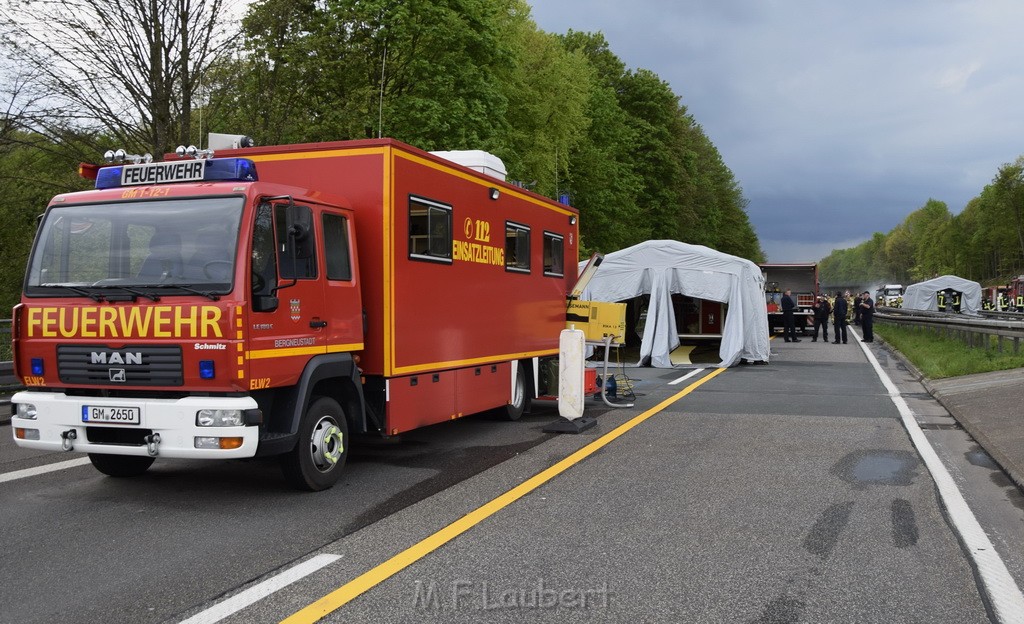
(219, 418)
(26, 410)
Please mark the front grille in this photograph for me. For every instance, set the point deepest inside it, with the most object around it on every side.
(139, 365)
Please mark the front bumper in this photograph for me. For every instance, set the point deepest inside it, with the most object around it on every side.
(173, 420)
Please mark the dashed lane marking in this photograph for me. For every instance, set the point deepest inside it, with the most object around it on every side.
(685, 377)
(38, 470)
(261, 590)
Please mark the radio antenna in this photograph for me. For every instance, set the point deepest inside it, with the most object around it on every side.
(380, 101)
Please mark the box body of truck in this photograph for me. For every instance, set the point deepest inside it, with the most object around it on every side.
(802, 280)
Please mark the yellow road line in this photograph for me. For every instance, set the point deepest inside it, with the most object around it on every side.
(359, 585)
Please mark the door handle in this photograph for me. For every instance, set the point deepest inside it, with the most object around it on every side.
(318, 324)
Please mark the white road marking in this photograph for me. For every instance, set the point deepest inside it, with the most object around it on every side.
(685, 377)
(38, 470)
(260, 591)
(1001, 590)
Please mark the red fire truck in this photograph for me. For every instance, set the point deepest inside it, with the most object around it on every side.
(1015, 294)
(276, 300)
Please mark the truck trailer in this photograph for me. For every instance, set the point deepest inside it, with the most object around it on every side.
(274, 301)
(802, 280)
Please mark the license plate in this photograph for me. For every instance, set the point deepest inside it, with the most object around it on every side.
(110, 414)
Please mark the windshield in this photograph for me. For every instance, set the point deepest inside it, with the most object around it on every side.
(185, 244)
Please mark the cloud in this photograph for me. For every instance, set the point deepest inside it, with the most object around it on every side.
(838, 119)
(788, 251)
(955, 78)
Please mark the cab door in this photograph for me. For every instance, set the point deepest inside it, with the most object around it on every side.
(288, 311)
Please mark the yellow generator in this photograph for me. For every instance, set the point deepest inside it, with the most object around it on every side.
(597, 319)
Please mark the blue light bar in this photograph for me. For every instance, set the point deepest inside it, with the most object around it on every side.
(37, 367)
(108, 177)
(234, 169)
(206, 369)
(213, 170)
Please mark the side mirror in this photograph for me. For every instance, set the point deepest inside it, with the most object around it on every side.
(299, 225)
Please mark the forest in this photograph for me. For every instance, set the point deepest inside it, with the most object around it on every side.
(983, 243)
(564, 113)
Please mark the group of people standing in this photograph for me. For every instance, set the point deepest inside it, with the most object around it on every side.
(839, 308)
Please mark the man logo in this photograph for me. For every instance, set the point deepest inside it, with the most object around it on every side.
(115, 357)
(118, 375)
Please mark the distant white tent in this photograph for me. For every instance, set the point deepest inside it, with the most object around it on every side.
(662, 268)
(922, 296)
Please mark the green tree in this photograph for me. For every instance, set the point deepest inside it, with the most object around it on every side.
(427, 72)
(548, 92)
(32, 170)
(126, 68)
(601, 179)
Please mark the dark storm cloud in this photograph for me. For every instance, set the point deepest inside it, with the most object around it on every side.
(838, 119)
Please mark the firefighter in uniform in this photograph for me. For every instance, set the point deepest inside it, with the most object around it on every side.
(867, 317)
(839, 310)
(941, 296)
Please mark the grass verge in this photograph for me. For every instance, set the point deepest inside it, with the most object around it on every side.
(938, 357)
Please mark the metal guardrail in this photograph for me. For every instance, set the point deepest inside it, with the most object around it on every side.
(974, 331)
(7, 379)
(5, 341)
(1002, 314)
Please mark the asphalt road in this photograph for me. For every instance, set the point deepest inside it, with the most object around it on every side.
(80, 547)
(780, 493)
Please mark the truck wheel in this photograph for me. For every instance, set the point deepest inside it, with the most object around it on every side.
(515, 409)
(319, 456)
(120, 465)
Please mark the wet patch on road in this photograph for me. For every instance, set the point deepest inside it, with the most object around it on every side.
(877, 467)
(978, 457)
(824, 535)
(783, 610)
(454, 465)
(904, 524)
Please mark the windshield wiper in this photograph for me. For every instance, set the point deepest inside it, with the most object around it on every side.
(76, 289)
(190, 288)
(129, 289)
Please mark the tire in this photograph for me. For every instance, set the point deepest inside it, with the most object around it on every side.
(520, 398)
(317, 461)
(120, 465)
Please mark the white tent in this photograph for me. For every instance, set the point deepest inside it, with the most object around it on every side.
(664, 267)
(921, 296)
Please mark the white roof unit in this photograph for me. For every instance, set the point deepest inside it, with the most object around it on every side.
(478, 160)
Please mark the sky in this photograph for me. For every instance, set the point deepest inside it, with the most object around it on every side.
(838, 119)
